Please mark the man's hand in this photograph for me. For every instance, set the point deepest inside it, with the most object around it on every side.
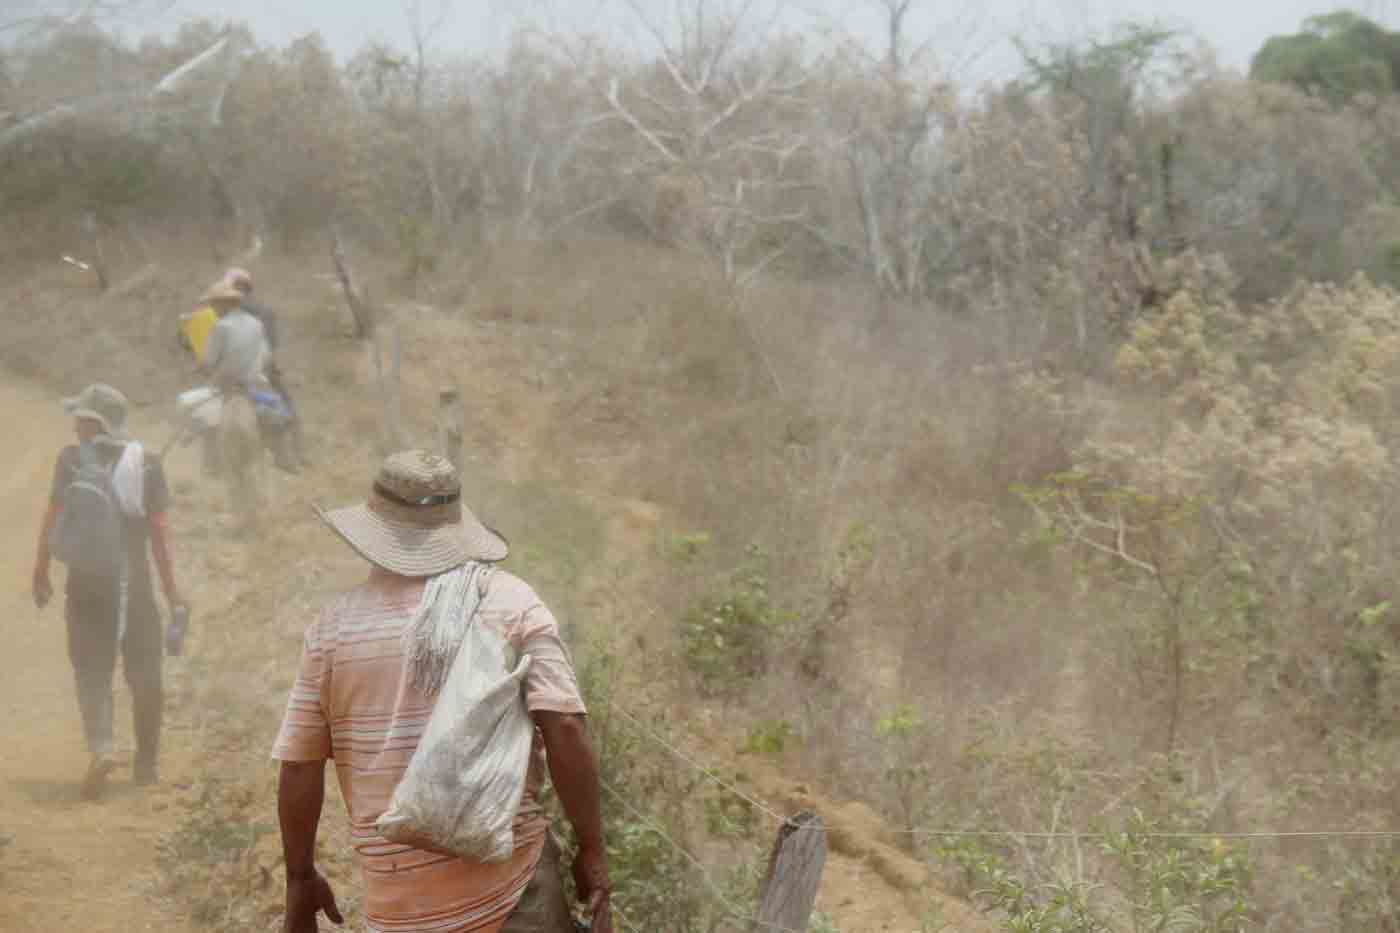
(591, 882)
(41, 587)
(307, 897)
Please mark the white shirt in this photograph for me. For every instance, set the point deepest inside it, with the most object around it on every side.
(237, 350)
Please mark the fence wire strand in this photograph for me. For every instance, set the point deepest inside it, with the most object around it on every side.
(773, 813)
(734, 913)
(659, 740)
(715, 891)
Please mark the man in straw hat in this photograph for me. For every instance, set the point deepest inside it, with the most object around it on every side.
(365, 691)
(236, 357)
(242, 280)
(105, 611)
(237, 352)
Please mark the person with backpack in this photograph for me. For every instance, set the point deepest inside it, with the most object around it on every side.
(108, 501)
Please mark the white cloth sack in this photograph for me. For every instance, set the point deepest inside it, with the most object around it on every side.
(129, 480)
(201, 408)
(465, 780)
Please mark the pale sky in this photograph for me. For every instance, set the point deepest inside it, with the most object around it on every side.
(1235, 28)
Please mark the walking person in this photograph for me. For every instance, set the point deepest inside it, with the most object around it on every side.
(295, 454)
(108, 501)
(237, 351)
(358, 699)
(236, 358)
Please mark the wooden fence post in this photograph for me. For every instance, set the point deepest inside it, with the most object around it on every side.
(452, 420)
(789, 891)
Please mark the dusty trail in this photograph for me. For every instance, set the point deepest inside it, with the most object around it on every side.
(68, 864)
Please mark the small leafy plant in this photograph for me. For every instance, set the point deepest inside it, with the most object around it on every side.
(726, 636)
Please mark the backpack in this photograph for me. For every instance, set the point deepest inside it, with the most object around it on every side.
(88, 535)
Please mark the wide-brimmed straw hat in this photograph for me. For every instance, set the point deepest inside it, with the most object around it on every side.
(101, 403)
(414, 523)
(221, 292)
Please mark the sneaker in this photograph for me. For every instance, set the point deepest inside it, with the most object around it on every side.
(95, 781)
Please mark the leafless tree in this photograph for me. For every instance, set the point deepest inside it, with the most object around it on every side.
(424, 26)
(31, 20)
(883, 126)
(195, 90)
(712, 131)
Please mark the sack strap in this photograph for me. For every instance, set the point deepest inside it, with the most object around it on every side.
(89, 458)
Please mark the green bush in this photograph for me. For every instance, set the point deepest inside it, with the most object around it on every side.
(726, 636)
(650, 809)
(1161, 883)
(769, 737)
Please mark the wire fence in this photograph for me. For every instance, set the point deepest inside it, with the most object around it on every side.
(733, 912)
(773, 813)
(716, 893)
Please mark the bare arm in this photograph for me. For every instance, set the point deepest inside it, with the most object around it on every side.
(301, 791)
(42, 585)
(574, 770)
(160, 550)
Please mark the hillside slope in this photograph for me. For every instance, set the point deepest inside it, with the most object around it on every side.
(253, 598)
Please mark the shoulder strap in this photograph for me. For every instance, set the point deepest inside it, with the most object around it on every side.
(87, 456)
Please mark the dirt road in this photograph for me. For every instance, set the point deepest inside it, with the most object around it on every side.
(65, 864)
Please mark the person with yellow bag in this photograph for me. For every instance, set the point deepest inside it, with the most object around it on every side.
(200, 407)
(293, 451)
(195, 327)
(199, 334)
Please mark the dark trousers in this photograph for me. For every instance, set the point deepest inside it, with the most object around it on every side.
(543, 907)
(93, 616)
(294, 447)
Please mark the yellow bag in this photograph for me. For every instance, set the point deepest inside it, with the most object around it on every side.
(195, 328)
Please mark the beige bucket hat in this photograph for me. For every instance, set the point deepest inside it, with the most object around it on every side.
(103, 404)
(414, 523)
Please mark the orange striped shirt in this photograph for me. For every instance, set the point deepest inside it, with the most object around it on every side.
(353, 702)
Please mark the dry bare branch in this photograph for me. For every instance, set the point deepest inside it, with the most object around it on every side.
(360, 309)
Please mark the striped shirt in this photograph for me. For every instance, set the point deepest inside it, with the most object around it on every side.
(353, 702)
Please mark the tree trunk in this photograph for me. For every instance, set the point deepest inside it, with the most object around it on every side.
(360, 309)
(451, 426)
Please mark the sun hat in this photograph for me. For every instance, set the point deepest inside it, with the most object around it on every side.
(414, 523)
(221, 292)
(103, 404)
(239, 279)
